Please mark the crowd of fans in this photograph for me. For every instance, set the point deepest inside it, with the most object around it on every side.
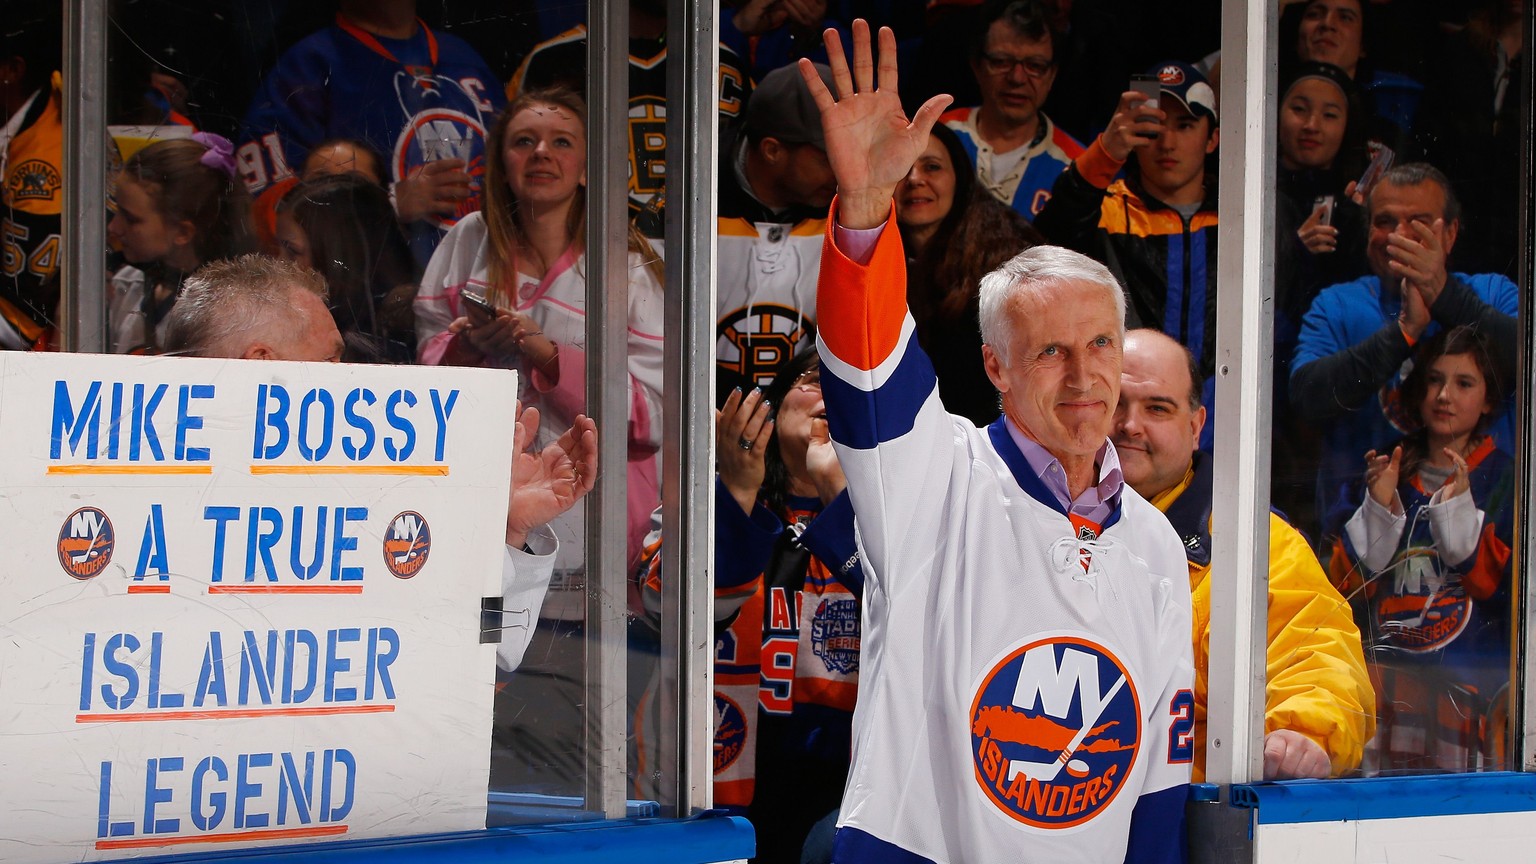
(441, 199)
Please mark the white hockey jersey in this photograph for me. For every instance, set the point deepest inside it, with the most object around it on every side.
(1025, 693)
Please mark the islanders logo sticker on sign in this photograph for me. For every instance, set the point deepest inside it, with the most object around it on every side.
(407, 544)
(85, 543)
(1054, 730)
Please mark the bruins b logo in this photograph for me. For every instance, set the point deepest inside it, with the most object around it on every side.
(755, 341)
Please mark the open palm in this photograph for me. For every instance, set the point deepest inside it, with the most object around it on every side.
(870, 143)
(548, 482)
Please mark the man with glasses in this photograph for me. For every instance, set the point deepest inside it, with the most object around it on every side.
(1018, 152)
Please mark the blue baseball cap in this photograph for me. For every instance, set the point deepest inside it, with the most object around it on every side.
(1185, 83)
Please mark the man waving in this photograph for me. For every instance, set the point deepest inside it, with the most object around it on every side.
(1027, 675)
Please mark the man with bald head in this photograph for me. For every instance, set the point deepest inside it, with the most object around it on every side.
(1026, 681)
(1319, 708)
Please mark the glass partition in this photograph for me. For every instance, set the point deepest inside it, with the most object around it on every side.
(1397, 385)
(447, 170)
(1395, 309)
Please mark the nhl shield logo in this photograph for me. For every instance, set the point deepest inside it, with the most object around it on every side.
(407, 544)
(85, 543)
(1055, 727)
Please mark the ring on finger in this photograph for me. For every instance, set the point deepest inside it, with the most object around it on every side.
(745, 443)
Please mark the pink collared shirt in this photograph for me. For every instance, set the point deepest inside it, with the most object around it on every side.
(1097, 501)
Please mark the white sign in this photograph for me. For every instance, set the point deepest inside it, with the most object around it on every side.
(240, 603)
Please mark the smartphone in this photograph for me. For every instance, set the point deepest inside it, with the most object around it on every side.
(478, 301)
(1148, 86)
(1325, 202)
(1381, 160)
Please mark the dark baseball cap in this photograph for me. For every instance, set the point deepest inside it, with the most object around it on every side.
(781, 107)
(1185, 83)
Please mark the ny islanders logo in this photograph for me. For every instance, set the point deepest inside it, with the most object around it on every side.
(1431, 612)
(85, 543)
(730, 732)
(1054, 731)
(443, 133)
(407, 544)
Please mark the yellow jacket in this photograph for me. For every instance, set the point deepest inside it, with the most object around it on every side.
(1316, 680)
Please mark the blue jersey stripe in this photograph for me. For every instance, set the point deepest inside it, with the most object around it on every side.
(862, 419)
(1158, 829)
(852, 846)
(1173, 298)
(1197, 288)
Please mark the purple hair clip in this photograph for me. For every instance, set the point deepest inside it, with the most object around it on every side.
(220, 154)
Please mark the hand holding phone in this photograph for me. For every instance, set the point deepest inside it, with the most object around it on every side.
(476, 301)
(1325, 203)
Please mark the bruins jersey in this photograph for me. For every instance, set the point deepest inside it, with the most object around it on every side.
(562, 60)
(31, 204)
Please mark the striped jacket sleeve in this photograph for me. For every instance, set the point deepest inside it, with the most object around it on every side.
(895, 442)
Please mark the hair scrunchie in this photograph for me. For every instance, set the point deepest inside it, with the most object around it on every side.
(220, 154)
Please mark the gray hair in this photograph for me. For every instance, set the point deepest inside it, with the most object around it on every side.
(1035, 267)
(1414, 174)
(225, 303)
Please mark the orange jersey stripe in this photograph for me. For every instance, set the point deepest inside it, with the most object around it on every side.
(861, 308)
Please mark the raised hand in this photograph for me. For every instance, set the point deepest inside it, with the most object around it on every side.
(870, 143)
(805, 13)
(1381, 473)
(1414, 316)
(756, 17)
(821, 462)
(1459, 483)
(743, 420)
(549, 482)
(1131, 127)
(435, 189)
(1418, 258)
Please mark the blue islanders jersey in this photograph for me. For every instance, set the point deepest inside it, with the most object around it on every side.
(413, 100)
(1027, 186)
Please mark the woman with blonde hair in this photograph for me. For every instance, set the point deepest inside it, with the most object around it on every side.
(507, 287)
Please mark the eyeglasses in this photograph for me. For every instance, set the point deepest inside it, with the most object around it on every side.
(808, 382)
(1003, 64)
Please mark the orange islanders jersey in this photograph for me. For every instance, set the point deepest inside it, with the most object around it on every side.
(786, 663)
(1026, 691)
